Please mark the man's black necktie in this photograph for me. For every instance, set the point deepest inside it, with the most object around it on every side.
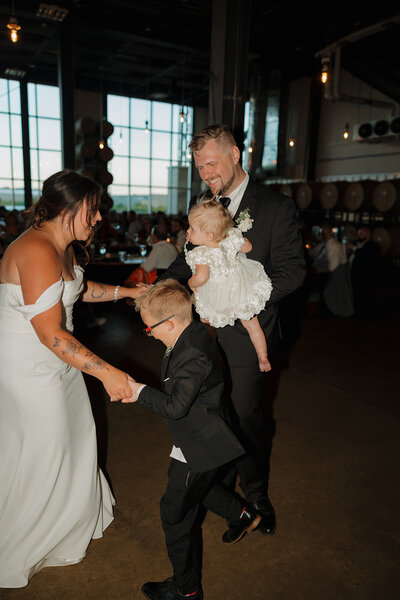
(225, 201)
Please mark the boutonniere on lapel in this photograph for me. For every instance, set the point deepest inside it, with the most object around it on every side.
(244, 222)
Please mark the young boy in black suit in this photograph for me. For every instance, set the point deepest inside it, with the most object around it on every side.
(190, 401)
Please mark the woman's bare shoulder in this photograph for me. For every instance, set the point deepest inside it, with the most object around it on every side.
(29, 253)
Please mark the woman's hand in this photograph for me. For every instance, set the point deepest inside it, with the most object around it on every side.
(116, 384)
(134, 386)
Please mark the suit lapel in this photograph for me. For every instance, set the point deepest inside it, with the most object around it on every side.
(164, 367)
(176, 349)
(248, 200)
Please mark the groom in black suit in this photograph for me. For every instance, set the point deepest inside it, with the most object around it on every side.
(277, 244)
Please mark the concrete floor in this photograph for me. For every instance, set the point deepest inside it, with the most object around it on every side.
(334, 476)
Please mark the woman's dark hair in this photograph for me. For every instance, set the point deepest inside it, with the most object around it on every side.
(65, 191)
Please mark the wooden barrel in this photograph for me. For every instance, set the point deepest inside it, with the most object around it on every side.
(285, 189)
(303, 195)
(105, 177)
(88, 172)
(358, 195)
(105, 154)
(388, 240)
(386, 196)
(85, 126)
(328, 195)
(85, 150)
(107, 129)
(353, 197)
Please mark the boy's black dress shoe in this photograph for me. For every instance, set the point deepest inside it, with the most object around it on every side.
(268, 521)
(248, 521)
(167, 590)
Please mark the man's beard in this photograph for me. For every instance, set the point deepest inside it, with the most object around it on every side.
(226, 187)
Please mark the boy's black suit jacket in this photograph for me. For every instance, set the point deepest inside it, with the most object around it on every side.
(190, 401)
(277, 245)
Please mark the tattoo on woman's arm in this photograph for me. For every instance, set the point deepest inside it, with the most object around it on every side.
(94, 363)
(99, 293)
(72, 347)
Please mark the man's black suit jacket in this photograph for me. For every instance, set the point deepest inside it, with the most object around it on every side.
(190, 401)
(277, 245)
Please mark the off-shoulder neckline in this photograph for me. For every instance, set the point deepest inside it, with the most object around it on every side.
(78, 267)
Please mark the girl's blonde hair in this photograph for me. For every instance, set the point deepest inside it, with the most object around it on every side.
(212, 217)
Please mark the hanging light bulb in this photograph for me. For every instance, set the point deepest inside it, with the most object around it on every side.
(101, 144)
(181, 117)
(250, 149)
(292, 141)
(325, 70)
(14, 27)
(146, 129)
(346, 132)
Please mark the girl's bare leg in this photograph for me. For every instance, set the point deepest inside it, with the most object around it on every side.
(259, 342)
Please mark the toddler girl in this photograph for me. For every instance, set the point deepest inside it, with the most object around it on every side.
(226, 284)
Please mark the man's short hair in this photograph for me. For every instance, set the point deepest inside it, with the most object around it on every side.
(159, 233)
(165, 298)
(220, 133)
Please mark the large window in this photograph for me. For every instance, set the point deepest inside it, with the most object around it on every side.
(44, 139)
(44, 133)
(270, 154)
(11, 161)
(151, 167)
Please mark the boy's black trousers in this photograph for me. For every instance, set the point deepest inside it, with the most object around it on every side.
(179, 508)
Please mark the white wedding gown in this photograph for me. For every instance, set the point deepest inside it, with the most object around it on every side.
(53, 497)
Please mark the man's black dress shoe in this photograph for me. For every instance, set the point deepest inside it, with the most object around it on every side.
(268, 521)
(167, 590)
(248, 521)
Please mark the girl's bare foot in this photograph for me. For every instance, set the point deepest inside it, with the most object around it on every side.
(264, 363)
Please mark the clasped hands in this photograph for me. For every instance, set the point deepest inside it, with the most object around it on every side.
(134, 386)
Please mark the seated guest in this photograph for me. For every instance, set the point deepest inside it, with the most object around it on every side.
(179, 233)
(135, 226)
(106, 233)
(162, 254)
(145, 233)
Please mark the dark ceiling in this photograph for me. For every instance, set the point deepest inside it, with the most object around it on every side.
(160, 49)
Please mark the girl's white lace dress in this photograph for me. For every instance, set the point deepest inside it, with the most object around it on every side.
(53, 497)
(238, 287)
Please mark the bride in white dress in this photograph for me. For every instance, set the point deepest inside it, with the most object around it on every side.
(53, 497)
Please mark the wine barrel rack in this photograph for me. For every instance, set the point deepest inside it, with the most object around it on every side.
(91, 160)
(348, 205)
